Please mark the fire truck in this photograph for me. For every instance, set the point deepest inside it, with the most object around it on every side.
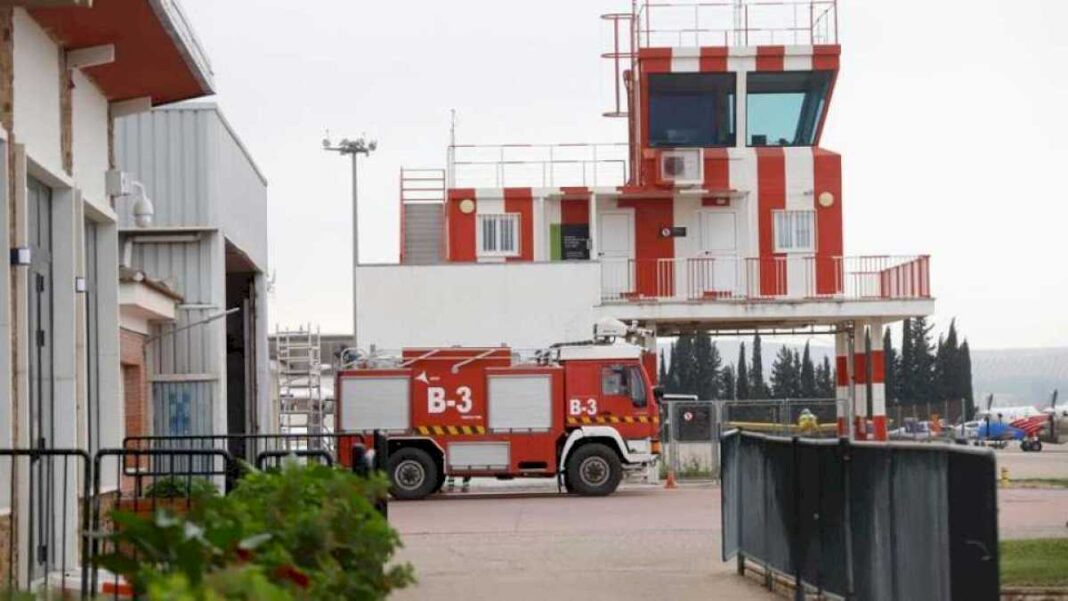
(583, 412)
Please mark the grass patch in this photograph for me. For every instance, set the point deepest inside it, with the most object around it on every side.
(1039, 483)
(1037, 562)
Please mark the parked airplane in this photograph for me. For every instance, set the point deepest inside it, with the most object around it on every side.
(1027, 424)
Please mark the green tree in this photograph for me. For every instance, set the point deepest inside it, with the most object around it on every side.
(685, 362)
(904, 383)
(758, 388)
(727, 383)
(785, 378)
(707, 363)
(890, 368)
(965, 383)
(825, 387)
(808, 375)
(741, 390)
(662, 374)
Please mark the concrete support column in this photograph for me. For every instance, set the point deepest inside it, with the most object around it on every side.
(841, 362)
(878, 381)
(860, 381)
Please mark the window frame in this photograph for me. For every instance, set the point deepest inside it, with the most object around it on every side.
(732, 108)
(811, 248)
(515, 219)
(747, 138)
(633, 373)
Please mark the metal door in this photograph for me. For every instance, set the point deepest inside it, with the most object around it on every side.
(42, 482)
(717, 275)
(616, 252)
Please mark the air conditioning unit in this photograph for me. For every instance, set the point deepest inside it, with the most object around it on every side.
(681, 167)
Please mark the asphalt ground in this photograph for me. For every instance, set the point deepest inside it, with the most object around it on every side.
(525, 541)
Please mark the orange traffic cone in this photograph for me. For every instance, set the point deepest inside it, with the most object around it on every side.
(670, 482)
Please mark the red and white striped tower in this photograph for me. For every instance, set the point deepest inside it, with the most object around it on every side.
(878, 381)
(860, 382)
(841, 362)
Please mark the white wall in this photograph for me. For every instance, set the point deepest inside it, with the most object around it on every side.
(90, 141)
(524, 305)
(37, 111)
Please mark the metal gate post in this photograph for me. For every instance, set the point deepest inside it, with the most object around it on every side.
(845, 455)
(795, 550)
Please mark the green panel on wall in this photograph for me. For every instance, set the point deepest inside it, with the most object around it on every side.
(556, 245)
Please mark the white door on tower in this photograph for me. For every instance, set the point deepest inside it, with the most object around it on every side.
(715, 275)
(615, 245)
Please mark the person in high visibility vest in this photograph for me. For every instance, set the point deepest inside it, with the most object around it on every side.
(807, 423)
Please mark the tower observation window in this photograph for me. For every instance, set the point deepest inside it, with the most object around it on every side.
(785, 108)
(691, 109)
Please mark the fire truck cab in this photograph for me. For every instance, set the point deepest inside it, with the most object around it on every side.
(582, 412)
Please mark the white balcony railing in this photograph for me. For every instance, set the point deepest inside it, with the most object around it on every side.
(759, 278)
(537, 165)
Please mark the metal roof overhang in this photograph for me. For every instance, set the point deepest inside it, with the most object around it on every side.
(156, 52)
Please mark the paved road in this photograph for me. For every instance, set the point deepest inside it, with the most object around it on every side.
(642, 543)
(1052, 462)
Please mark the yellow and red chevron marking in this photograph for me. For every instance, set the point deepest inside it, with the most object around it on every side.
(451, 430)
(613, 419)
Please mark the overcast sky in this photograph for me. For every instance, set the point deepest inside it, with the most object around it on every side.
(950, 115)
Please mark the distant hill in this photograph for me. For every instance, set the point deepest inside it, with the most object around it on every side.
(1020, 376)
(1013, 376)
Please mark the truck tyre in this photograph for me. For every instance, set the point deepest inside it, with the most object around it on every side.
(593, 470)
(412, 474)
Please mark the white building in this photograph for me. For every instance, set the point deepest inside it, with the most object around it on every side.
(68, 69)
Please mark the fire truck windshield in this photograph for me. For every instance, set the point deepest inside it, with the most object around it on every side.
(623, 380)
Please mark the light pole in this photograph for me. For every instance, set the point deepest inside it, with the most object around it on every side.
(353, 148)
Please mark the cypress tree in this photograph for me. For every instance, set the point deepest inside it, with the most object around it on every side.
(890, 368)
(952, 366)
(940, 372)
(686, 373)
(906, 383)
(965, 382)
(758, 388)
(727, 383)
(923, 360)
(741, 390)
(808, 375)
(707, 364)
(671, 385)
(662, 374)
(783, 374)
(825, 388)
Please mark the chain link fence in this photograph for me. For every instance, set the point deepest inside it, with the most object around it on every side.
(691, 428)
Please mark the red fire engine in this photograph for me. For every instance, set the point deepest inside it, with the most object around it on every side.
(582, 412)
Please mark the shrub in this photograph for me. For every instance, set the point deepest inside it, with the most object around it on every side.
(300, 532)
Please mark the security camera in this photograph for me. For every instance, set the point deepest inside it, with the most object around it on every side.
(326, 143)
(373, 145)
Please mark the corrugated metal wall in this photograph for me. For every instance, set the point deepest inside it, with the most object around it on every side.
(199, 176)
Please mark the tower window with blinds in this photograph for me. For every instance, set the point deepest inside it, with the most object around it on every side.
(498, 235)
(795, 231)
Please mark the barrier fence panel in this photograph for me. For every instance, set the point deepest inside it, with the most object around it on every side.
(865, 521)
(44, 542)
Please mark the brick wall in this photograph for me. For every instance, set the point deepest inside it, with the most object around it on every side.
(135, 382)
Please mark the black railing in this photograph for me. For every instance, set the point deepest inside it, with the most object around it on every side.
(864, 521)
(64, 498)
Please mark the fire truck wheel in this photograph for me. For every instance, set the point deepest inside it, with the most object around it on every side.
(412, 473)
(1036, 446)
(593, 471)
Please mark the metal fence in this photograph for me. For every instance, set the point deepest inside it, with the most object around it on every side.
(864, 521)
(691, 427)
(62, 500)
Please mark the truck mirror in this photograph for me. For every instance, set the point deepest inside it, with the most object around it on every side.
(658, 393)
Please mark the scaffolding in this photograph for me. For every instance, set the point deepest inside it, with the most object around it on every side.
(302, 407)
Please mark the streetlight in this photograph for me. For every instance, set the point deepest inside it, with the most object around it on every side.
(353, 148)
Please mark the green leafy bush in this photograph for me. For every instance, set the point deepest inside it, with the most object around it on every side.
(301, 532)
(180, 488)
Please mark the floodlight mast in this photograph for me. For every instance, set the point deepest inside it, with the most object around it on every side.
(353, 148)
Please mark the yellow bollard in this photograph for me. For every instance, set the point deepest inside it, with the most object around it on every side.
(1004, 476)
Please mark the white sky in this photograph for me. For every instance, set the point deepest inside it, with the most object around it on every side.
(950, 116)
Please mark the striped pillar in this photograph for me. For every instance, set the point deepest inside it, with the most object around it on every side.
(860, 382)
(878, 382)
(841, 363)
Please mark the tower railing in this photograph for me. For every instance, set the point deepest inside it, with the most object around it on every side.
(537, 165)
